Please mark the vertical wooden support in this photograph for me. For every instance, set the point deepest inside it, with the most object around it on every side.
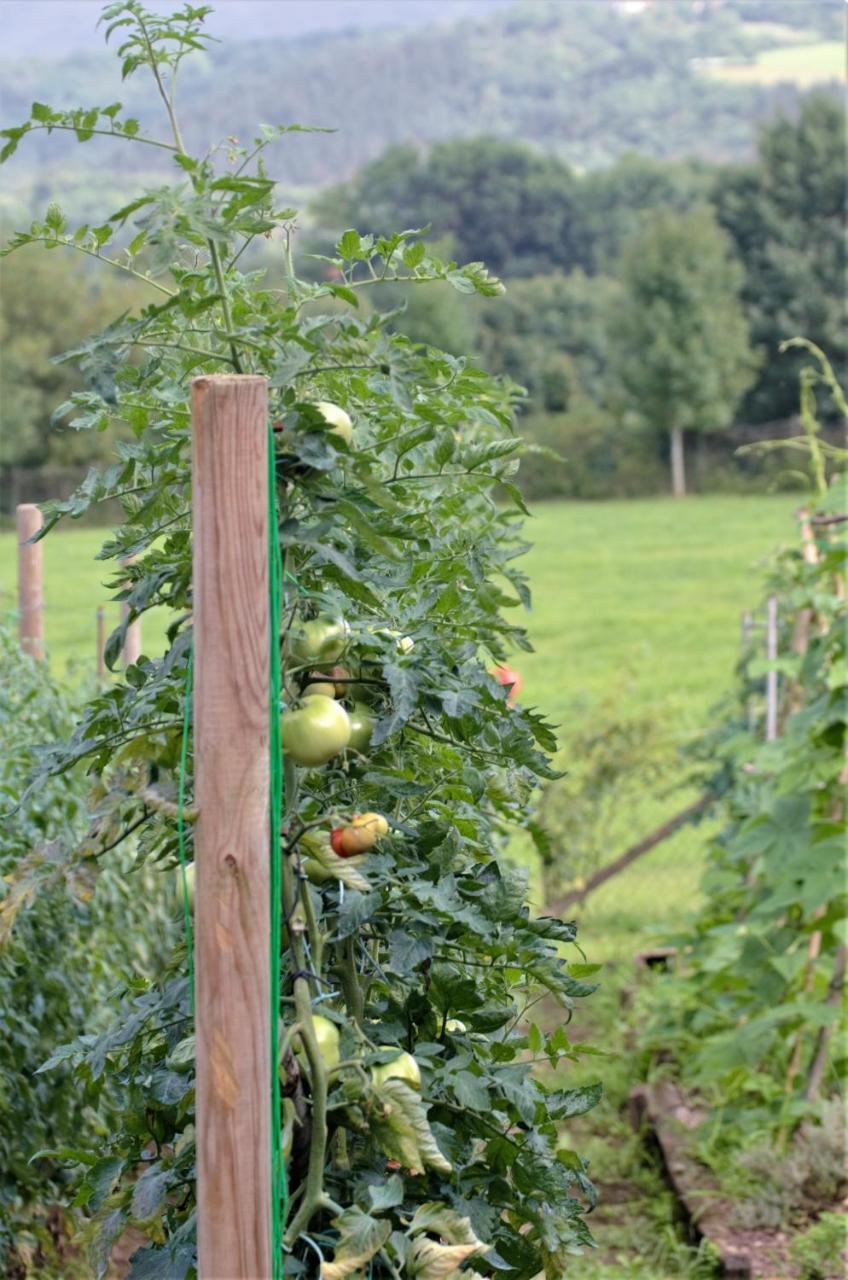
(30, 589)
(771, 676)
(131, 651)
(747, 632)
(232, 911)
(101, 644)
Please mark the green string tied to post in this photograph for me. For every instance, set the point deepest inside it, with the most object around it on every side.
(279, 1183)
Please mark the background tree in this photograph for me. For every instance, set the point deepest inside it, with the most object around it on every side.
(679, 347)
(614, 201)
(499, 201)
(786, 217)
(46, 305)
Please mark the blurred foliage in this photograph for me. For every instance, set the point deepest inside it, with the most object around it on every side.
(753, 1020)
(499, 201)
(821, 1251)
(617, 763)
(62, 967)
(679, 353)
(46, 303)
(775, 1189)
(785, 214)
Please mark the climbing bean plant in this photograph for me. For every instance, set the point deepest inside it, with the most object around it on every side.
(755, 1016)
(410, 534)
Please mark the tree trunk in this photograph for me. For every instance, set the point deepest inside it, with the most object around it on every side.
(678, 471)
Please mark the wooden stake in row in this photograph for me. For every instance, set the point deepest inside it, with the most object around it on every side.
(28, 521)
(771, 674)
(30, 585)
(231, 612)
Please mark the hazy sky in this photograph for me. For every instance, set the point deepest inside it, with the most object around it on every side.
(51, 28)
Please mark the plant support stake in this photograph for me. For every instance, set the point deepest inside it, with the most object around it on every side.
(231, 794)
(771, 676)
(30, 589)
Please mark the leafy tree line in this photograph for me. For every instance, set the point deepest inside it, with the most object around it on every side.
(571, 248)
(595, 264)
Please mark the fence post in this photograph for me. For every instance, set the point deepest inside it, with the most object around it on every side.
(231, 793)
(30, 588)
(771, 676)
(131, 651)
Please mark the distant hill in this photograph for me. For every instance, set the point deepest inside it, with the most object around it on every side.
(584, 79)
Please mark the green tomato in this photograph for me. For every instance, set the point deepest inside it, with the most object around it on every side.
(327, 1035)
(315, 731)
(320, 640)
(320, 688)
(403, 1067)
(189, 884)
(337, 420)
(361, 726)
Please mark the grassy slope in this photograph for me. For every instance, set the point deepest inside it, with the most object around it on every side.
(804, 65)
(642, 597)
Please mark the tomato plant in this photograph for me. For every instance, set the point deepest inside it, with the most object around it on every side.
(400, 557)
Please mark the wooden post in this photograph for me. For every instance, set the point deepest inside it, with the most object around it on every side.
(131, 651)
(231, 793)
(30, 588)
(101, 644)
(747, 633)
(771, 676)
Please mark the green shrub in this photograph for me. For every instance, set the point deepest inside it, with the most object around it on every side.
(820, 1253)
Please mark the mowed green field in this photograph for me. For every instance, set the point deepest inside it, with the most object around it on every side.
(73, 591)
(648, 592)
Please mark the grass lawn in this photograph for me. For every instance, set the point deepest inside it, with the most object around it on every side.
(639, 603)
(638, 599)
(73, 590)
(802, 64)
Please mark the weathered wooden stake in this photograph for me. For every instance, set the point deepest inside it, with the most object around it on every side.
(101, 644)
(747, 632)
(231, 793)
(30, 588)
(131, 651)
(771, 676)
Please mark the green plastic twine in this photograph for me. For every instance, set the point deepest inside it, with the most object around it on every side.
(279, 1183)
(189, 930)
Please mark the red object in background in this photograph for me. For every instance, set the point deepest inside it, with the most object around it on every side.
(509, 679)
